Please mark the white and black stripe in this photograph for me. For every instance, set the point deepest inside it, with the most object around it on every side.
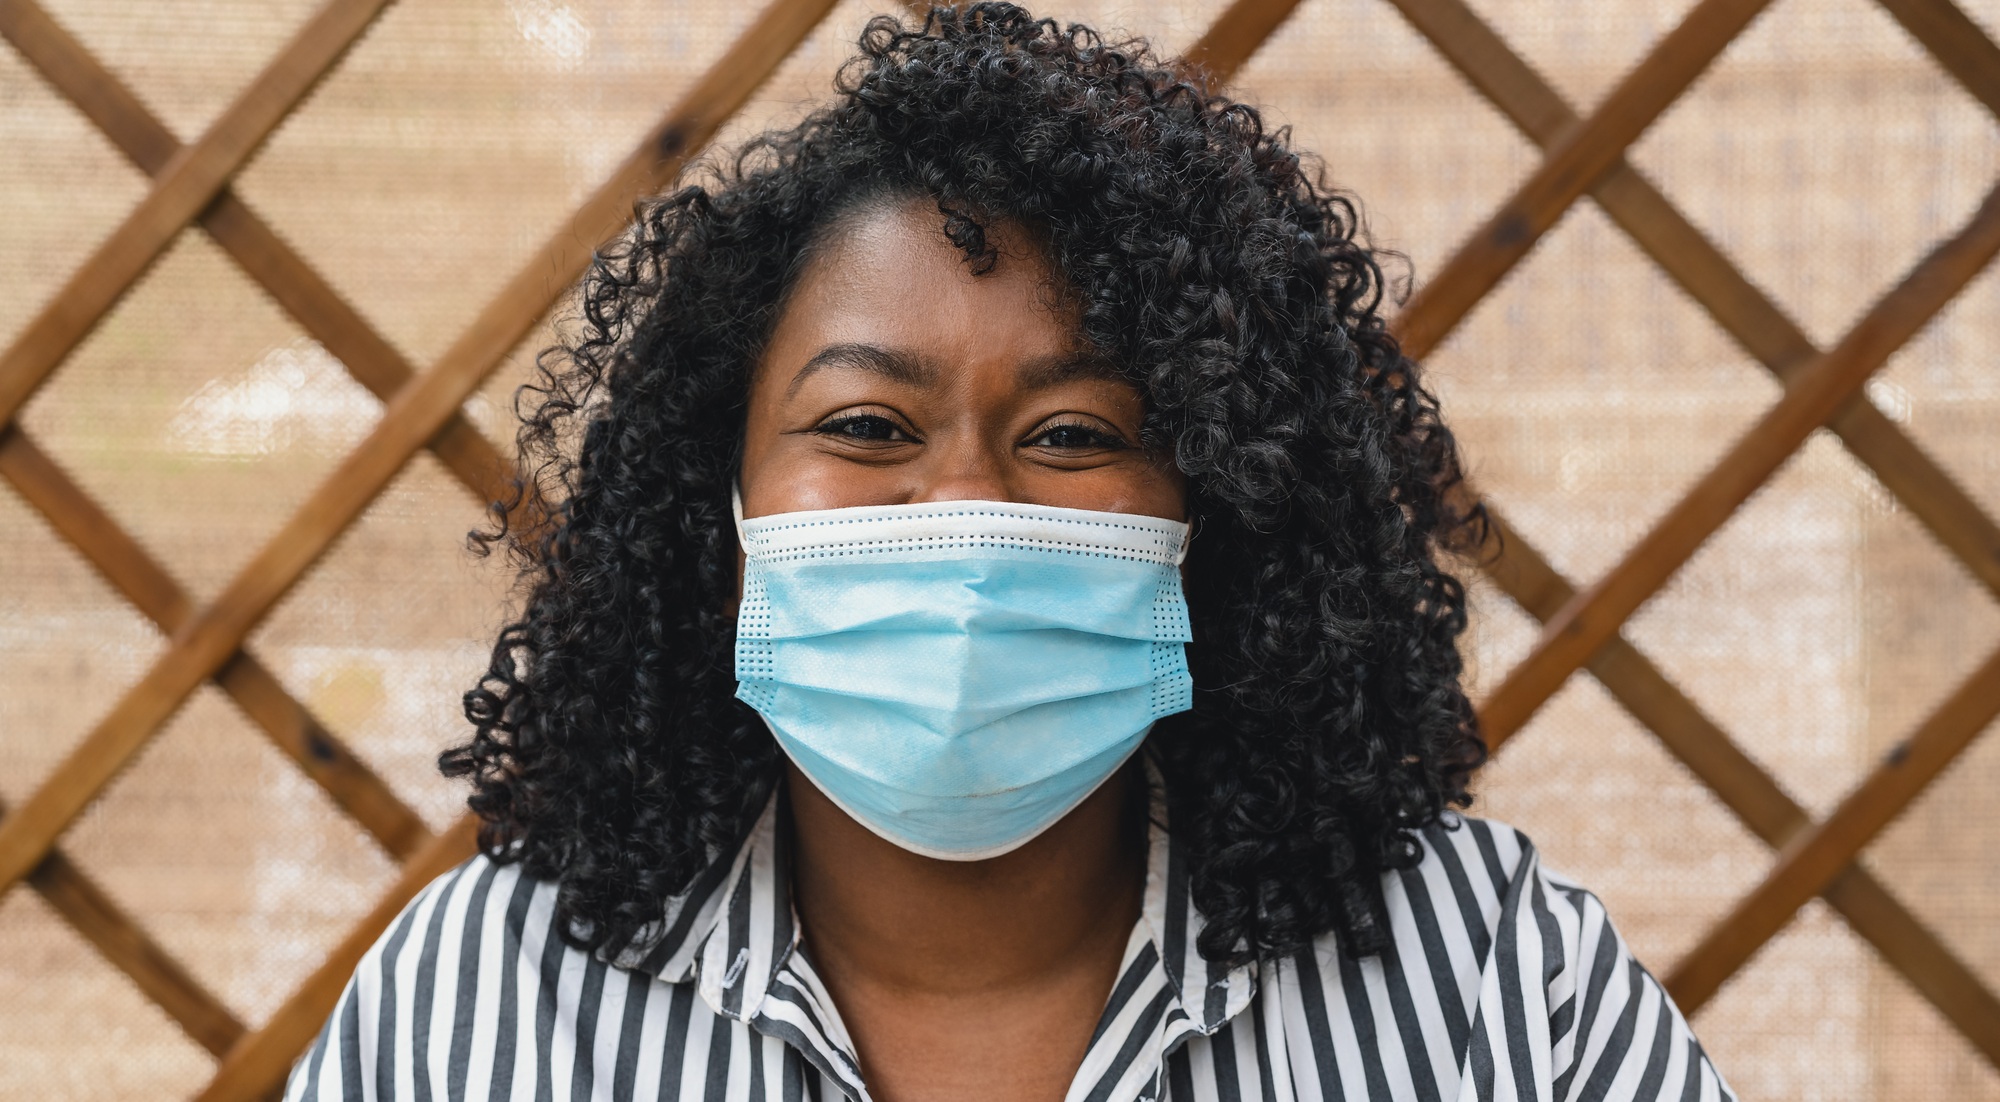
(1503, 981)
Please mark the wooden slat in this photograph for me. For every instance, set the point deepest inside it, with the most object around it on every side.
(1764, 330)
(418, 411)
(156, 973)
(257, 1063)
(1493, 69)
(182, 188)
(1742, 785)
(1930, 493)
(1755, 798)
(264, 256)
(1507, 81)
(340, 329)
(1694, 262)
(76, 75)
(1815, 857)
(418, 883)
(1932, 496)
(1956, 42)
(1233, 37)
(116, 555)
(1639, 686)
(77, 519)
(104, 924)
(1819, 390)
(1915, 952)
(1574, 163)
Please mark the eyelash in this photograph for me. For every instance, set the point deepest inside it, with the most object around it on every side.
(836, 426)
(841, 426)
(1099, 438)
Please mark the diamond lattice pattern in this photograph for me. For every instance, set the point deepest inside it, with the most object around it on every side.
(1701, 285)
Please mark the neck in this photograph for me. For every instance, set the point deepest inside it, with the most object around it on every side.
(875, 914)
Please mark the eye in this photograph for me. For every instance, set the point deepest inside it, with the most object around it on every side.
(869, 427)
(1077, 436)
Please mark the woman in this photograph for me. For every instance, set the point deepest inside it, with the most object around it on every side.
(992, 643)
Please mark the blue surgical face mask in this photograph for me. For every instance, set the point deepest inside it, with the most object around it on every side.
(957, 676)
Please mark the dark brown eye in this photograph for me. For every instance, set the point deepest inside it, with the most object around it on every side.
(1076, 437)
(862, 426)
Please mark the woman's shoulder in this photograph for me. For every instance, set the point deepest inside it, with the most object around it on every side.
(485, 912)
(1483, 865)
(479, 899)
(1515, 970)
(1478, 882)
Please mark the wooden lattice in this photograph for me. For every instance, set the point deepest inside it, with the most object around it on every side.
(1581, 628)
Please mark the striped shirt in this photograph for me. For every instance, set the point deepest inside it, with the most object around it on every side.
(1503, 981)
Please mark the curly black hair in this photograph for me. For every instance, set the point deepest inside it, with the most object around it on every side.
(1217, 270)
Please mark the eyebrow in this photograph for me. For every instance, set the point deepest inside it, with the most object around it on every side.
(1047, 371)
(914, 370)
(897, 366)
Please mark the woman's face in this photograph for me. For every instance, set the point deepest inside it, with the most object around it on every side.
(896, 375)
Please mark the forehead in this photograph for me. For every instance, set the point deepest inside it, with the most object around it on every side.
(887, 275)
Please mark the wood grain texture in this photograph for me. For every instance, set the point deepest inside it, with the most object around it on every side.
(75, 74)
(1575, 161)
(1914, 950)
(319, 309)
(1701, 269)
(290, 726)
(185, 184)
(1775, 340)
(1756, 798)
(121, 941)
(417, 413)
(258, 1062)
(256, 1065)
(1818, 391)
(373, 362)
(1234, 36)
(1816, 856)
(1956, 42)
(1931, 495)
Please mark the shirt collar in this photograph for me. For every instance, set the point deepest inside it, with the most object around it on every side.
(1208, 994)
(734, 931)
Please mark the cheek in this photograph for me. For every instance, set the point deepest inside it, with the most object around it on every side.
(795, 479)
(1160, 491)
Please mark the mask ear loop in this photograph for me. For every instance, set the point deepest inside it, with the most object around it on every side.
(736, 514)
(1187, 538)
